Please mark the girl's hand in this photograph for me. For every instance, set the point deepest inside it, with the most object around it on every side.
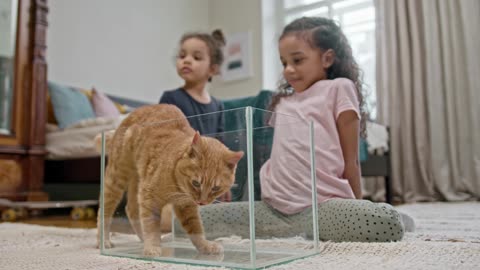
(352, 173)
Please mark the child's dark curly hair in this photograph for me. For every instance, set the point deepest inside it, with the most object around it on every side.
(325, 34)
(215, 42)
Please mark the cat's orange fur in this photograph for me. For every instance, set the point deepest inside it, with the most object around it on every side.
(161, 161)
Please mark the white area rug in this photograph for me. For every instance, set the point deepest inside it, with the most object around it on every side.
(447, 237)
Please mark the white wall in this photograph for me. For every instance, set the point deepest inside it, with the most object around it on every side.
(127, 48)
(122, 47)
(239, 16)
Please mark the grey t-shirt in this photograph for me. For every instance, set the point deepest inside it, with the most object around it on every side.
(206, 124)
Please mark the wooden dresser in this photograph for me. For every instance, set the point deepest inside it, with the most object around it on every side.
(23, 86)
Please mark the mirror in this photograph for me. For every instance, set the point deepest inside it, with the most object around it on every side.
(8, 34)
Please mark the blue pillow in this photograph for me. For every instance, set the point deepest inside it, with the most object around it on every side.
(69, 105)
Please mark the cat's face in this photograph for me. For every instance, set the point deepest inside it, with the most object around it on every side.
(207, 169)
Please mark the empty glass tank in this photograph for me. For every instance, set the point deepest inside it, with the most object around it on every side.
(249, 232)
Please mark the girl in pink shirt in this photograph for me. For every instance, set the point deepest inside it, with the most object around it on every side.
(323, 85)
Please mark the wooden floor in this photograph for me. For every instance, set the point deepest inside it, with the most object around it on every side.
(60, 218)
(60, 221)
(118, 225)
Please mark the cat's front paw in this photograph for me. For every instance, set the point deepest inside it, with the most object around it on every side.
(210, 247)
(153, 251)
(107, 244)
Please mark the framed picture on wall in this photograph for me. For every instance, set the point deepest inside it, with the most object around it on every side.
(238, 57)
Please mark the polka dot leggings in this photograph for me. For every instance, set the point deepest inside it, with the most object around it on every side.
(339, 220)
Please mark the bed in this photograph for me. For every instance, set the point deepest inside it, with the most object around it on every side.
(72, 158)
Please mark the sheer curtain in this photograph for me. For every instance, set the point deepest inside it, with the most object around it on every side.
(428, 92)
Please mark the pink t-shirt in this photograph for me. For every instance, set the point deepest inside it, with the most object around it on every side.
(285, 177)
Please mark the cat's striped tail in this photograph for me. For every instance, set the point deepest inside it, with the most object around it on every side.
(108, 140)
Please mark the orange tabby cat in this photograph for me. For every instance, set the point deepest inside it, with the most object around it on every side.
(160, 161)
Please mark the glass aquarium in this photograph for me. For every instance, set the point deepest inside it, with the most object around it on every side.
(249, 231)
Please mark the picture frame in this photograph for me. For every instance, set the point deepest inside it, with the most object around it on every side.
(238, 57)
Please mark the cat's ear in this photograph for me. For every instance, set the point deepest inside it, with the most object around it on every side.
(196, 138)
(195, 144)
(234, 158)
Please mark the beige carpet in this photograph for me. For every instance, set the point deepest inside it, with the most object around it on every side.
(447, 237)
